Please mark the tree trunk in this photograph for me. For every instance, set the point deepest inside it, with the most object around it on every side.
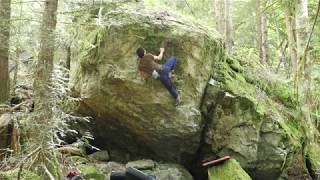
(303, 79)
(43, 72)
(262, 31)
(219, 16)
(302, 32)
(228, 25)
(5, 11)
(290, 26)
(304, 63)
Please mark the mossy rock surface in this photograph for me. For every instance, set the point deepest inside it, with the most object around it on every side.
(244, 115)
(137, 115)
(171, 171)
(313, 160)
(228, 170)
(247, 124)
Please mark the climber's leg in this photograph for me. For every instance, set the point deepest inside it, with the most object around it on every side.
(164, 78)
(171, 63)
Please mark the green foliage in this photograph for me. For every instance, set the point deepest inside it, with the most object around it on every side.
(63, 106)
(94, 45)
(12, 175)
(293, 132)
(283, 91)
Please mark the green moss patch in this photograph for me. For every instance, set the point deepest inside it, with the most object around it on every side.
(228, 170)
(90, 172)
(313, 159)
(13, 174)
(292, 131)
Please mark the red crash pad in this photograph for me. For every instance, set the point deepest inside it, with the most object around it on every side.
(216, 161)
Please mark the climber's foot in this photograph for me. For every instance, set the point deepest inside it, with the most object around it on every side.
(177, 101)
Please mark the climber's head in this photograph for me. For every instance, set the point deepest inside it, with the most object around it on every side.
(140, 52)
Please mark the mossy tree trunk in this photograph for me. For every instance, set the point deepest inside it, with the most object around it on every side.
(219, 15)
(5, 11)
(292, 44)
(303, 79)
(44, 65)
(262, 31)
(228, 25)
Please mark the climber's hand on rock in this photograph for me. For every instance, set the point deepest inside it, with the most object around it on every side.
(159, 57)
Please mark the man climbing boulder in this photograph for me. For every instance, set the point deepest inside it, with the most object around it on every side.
(148, 67)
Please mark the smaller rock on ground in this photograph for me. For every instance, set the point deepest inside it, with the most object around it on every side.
(171, 171)
(100, 156)
(141, 164)
(107, 168)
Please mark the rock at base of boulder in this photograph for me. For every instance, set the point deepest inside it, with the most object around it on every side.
(160, 171)
(171, 171)
(229, 170)
(107, 168)
(141, 164)
(89, 171)
(100, 156)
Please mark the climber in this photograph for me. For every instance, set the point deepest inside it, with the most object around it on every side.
(148, 67)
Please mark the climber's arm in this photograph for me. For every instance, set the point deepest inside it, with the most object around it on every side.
(159, 57)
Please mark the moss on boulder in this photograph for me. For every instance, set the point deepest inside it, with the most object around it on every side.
(313, 160)
(238, 113)
(248, 124)
(135, 115)
(228, 170)
(89, 171)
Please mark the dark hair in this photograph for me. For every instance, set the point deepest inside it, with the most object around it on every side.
(140, 52)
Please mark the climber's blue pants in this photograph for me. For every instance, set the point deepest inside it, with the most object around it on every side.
(168, 66)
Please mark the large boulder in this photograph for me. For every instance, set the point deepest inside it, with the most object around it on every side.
(138, 115)
(248, 125)
(226, 109)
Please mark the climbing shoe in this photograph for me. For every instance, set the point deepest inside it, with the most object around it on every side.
(172, 75)
(177, 101)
